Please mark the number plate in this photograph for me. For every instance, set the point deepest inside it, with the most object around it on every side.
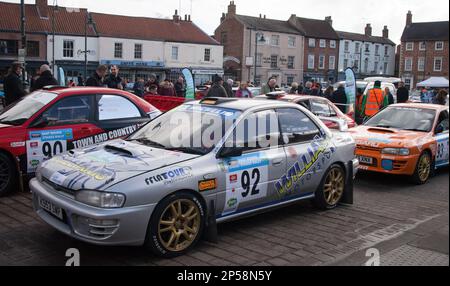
(365, 160)
(51, 208)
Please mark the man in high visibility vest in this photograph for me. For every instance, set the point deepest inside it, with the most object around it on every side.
(373, 101)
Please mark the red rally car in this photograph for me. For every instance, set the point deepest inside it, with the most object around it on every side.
(55, 119)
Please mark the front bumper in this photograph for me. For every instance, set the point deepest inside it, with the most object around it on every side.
(390, 164)
(124, 226)
(355, 164)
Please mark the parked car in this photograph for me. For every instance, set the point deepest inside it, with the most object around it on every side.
(51, 121)
(319, 106)
(148, 190)
(404, 139)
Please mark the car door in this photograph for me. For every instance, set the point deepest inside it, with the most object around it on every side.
(307, 154)
(55, 130)
(116, 116)
(441, 136)
(250, 178)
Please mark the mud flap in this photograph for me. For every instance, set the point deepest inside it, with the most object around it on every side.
(347, 197)
(211, 224)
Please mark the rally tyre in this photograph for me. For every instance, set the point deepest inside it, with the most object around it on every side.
(8, 175)
(423, 169)
(331, 189)
(176, 225)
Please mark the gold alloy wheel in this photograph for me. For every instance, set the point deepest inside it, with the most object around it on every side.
(334, 186)
(424, 167)
(179, 225)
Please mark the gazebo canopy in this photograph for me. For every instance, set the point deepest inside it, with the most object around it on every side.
(437, 81)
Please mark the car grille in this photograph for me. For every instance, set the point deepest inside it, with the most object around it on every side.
(59, 188)
(368, 148)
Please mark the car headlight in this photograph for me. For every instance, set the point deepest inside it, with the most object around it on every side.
(396, 151)
(100, 199)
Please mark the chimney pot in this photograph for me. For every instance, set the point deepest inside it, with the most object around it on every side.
(408, 18)
(232, 8)
(368, 30)
(386, 32)
(329, 20)
(42, 7)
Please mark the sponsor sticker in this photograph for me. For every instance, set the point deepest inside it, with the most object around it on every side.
(207, 185)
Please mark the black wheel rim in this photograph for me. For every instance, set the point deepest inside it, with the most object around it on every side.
(5, 174)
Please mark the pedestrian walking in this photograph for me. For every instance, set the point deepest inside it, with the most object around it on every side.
(388, 94)
(402, 93)
(217, 89)
(243, 91)
(13, 85)
(113, 80)
(340, 98)
(270, 86)
(180, 87)
(45, 79)
(373, 101)
(97, 77)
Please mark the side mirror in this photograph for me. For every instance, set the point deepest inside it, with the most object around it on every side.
(228, 152)
(41, 122)
(439, 129)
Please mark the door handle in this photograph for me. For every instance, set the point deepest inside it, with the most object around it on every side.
(277, 162)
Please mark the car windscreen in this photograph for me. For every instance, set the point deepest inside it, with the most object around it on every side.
(404, 118)
(20, 111)
(194, 129)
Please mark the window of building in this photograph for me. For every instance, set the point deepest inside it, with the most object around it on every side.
(385, 68)
(421, 64)
(291, 41)
(32, 48)
(274, 61)
(259, 59)
(408, 64)
(409, 46)
(367, 50)
(68, 46)
(357, 48)
(386, 51)
(9, 47)
(346, 46)
(290, 80)
(175, 53)
(366, 65)
(377, 50)
(356, 65)
(321, 62)
(322, 43)
(312, 43)
(275, 40)
(118, 50)
(207, 56)
(331, 62)
(333, 44)
(224, 37)
(290, 63)
(345, 63)
(422, 46)
(310, 61)
(438, 64)
(375, 68)
(439, 46)
(138, 51)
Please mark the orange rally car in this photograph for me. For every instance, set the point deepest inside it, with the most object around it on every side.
(404, 139)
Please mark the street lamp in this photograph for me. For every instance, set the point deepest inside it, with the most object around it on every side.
(260, 40)
(55, 9)
(89, 22)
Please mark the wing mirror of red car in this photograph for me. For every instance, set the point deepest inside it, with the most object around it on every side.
(228, 152)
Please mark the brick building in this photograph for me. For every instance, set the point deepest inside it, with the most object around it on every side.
(321, 48)
(424, 51)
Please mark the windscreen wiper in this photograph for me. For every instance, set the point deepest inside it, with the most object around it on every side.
(149, 142)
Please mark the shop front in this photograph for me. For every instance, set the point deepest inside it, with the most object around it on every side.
(131, 70)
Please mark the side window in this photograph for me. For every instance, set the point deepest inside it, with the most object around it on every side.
(305, 104)
(116, 107)
(74, 109)
(257, 131)
(296, 127)
(320, 108)
(443, 120)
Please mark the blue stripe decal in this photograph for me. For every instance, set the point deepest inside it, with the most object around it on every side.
(265, 205)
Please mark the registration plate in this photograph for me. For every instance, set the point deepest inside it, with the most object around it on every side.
(365, 160)
(51, 208)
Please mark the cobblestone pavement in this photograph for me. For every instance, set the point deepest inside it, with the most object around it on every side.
(407, 223)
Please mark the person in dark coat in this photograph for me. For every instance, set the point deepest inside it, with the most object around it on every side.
(152, 80)
(45, 79)
(339, 98)
(179, 87)
(402, 93)
(217, 89)
(13, 86)
(80, 80)
(96, 78)
(114, 80)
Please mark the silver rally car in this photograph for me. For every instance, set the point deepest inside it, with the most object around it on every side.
(197, 165)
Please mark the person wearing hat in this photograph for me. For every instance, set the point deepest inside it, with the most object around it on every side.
(374, 101)
(13, 86)
(217, 89)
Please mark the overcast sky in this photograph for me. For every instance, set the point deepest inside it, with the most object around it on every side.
(347, 15)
